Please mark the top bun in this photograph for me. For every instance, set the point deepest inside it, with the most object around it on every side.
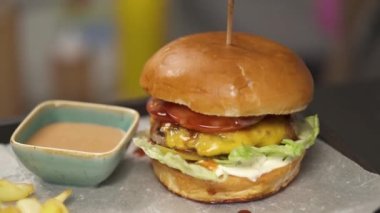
(253, 76)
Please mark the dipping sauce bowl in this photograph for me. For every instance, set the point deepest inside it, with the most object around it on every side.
(72, 167)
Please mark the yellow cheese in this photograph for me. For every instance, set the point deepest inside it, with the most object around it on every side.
(185, 155)
(268, 131)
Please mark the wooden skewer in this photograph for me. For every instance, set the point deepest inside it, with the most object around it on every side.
(230, 16)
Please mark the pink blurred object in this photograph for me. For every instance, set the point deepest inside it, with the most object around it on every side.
(329, 15)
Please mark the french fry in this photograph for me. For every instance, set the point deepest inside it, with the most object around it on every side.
(19, 192)
(64, 195)
(14, 191)
(9, 209)
(56, 204)
(29, 205)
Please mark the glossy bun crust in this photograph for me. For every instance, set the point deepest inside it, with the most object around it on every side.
(253, 76)
(233, 189)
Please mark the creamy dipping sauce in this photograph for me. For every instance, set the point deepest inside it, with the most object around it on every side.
(77, 136)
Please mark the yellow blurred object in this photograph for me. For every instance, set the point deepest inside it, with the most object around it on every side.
(14, 191)
(29, 205)
(64, 195)
(10, 209)
(10, 192)
(141, 30)
(55, 205)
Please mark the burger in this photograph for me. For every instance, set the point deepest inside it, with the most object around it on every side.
(225, 125)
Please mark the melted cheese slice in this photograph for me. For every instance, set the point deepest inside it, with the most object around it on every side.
(268, 131)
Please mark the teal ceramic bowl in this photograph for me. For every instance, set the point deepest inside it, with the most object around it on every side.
(69, 167)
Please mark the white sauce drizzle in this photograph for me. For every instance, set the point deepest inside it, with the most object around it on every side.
(254, 171)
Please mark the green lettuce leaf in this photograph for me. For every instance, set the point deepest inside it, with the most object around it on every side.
(175, 161)
(242, 155)
(306, 130)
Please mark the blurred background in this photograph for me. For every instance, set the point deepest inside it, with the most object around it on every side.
(94, 50)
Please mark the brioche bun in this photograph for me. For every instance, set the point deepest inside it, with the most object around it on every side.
(233, 189)
(253, 76)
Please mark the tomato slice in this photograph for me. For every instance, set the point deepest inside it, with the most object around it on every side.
(167, 112)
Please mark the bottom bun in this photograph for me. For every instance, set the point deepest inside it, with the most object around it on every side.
(233, 189)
